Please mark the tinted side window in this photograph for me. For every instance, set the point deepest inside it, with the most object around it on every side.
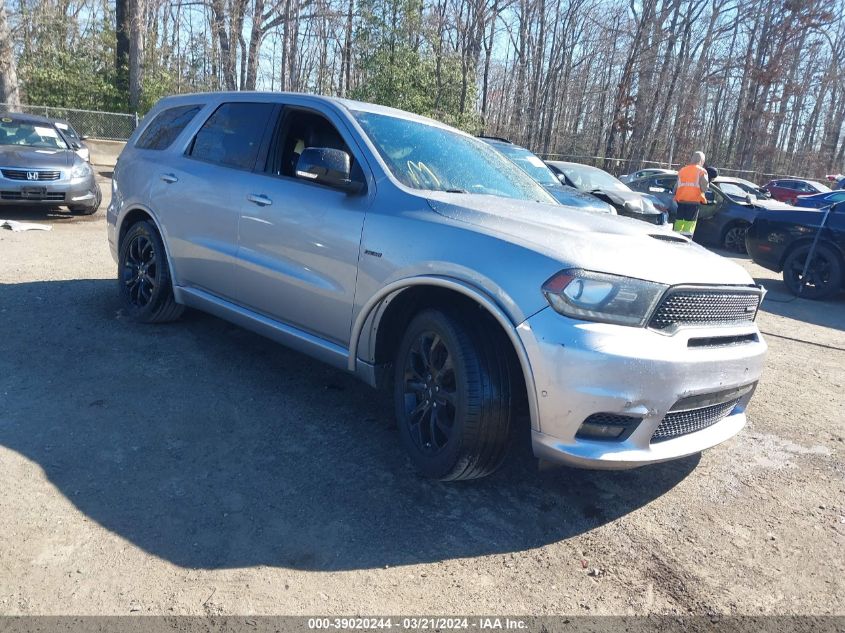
(232, 135)
(166, 127)
(301, 129)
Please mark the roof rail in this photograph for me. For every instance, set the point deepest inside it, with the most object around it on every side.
(496, 138)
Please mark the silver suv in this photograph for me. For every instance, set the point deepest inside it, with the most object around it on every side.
(417, 257)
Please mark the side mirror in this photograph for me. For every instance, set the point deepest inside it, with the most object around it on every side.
(749, 198)
(327, 166)
(75, 145)
(710, 197)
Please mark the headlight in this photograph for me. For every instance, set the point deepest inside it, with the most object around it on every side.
(591, 296)
(634, 206)
(81, 170)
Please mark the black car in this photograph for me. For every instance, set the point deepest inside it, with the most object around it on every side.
(782, 240)
(725, 218)
(607, 188)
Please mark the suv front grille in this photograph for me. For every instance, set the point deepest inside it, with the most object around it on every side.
(24, 174)
(693, 307)
(678, 423)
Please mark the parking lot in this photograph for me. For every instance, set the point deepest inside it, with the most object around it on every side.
(196, 468)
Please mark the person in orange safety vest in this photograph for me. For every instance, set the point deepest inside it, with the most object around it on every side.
(689, 193)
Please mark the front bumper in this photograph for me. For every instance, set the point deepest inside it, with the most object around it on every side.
(78, 192)
(582, 368)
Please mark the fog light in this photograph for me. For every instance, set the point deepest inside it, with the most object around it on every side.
(601, 431)
(607, 426)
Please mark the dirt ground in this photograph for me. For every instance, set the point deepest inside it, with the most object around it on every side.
(196, 468)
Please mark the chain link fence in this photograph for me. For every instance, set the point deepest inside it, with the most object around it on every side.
(103, 125)
(621, 166)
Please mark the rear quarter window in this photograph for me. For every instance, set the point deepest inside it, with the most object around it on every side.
(166, 126)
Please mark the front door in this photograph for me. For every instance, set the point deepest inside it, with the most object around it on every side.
(299, 241)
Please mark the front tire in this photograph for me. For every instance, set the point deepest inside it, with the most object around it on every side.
(452, 393)
(824, 274)
(144, 279)
(734, 238)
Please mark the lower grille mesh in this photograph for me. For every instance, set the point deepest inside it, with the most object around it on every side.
(685, 422)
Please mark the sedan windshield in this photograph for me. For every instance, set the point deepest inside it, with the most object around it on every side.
(732, 190)
(819, 186)
(432, 158)
(529, 163)
(14, 132)
(592, 179)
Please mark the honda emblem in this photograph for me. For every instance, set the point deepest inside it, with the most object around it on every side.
(32, 175)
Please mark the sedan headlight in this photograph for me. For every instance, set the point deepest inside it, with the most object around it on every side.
(582, 294)
(81, 170)
(634, 206)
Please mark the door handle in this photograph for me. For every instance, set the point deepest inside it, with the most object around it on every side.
(169, 178)
(260, 199)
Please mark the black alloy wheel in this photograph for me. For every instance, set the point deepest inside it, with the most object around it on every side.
(734, 239)
(430, 392)
(139, 271)
(144, 281)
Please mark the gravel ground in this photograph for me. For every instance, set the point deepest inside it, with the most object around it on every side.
(195, 468)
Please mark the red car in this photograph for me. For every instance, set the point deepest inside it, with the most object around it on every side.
(788, 189)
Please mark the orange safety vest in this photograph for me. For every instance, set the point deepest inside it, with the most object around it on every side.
(688, 189)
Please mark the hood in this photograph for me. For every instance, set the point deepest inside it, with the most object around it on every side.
(574, 198)
(618, 197)
(593, 241)
(773, 205)
(35, 157)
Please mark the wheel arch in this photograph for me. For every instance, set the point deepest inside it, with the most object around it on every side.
(808, 240)
(381, 322)
(139, 213)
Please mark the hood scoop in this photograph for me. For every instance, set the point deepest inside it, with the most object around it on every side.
(667, 237)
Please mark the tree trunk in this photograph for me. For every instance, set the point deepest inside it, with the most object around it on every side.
(9, 93)
(121, 51)
(136, 53)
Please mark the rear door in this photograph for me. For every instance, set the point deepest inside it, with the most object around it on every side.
(299, 240)
(198, 194)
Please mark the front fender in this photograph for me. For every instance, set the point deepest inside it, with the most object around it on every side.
(366, 324)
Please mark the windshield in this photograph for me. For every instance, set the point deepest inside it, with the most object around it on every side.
(68, 131)
(13, 132)
(529, 163)
(731, 189)
(431, 158)
(592, 179)
(820, 186)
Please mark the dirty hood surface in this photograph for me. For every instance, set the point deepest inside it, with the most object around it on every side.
(598, 242)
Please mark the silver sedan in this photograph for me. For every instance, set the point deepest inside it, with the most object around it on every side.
(38, 167)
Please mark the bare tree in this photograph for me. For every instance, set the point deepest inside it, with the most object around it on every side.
(8, 68)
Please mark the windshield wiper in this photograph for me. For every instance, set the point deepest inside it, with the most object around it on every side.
(457, 191)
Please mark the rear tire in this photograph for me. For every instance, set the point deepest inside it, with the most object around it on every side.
(143, 276)
(824, 275)
(452, 394)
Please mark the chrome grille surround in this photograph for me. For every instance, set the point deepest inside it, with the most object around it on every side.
(23, 174)
(691, 306)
